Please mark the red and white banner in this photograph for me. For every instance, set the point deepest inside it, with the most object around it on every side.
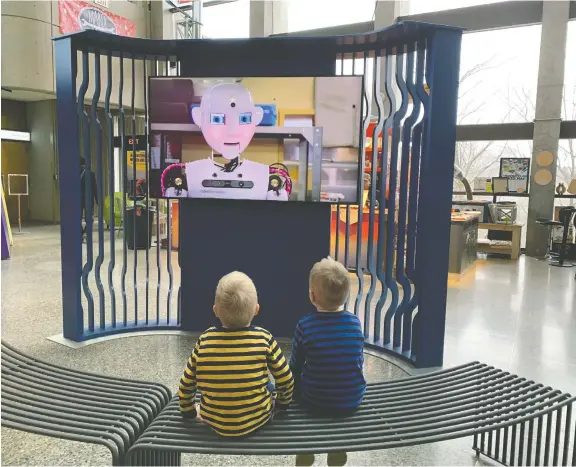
(76, 16)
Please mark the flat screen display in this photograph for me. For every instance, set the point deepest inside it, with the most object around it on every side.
(278, 139)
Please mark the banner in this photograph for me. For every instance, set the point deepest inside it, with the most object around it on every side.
(77, 16)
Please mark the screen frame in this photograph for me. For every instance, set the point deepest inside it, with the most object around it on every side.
(361, 139)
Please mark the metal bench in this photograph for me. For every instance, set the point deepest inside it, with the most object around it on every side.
(51, 400)
(512, 420)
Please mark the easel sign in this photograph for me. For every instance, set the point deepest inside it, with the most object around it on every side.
(18, 186)
(517, 171)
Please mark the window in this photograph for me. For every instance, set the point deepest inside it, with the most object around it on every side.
(227, 21)
(569, 102)
(314, 14)
(498, 76)
(566, 167)
(429, 6)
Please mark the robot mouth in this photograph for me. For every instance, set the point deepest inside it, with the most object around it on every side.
(231, 144)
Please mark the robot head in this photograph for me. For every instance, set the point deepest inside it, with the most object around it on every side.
(227, 117)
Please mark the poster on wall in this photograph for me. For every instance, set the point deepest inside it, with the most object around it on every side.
(517, 171)
(77, 16)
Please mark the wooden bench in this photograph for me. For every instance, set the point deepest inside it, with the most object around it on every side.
(512, 248)
(511, 419)
(50, 400)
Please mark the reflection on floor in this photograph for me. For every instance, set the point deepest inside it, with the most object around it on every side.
(519, 316)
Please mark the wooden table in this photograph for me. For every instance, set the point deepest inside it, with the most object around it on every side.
(513, 249)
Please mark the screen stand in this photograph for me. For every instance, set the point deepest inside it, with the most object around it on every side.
(275, 243)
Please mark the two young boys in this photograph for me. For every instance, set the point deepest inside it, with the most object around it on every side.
(229, 364)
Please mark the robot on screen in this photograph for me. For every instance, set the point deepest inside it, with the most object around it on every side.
(228, 119)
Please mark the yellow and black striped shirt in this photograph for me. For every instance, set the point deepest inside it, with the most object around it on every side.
(230, 369)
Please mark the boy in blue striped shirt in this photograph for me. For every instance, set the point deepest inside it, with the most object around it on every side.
(328, 350)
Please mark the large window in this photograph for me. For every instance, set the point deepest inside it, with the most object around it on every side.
(498, 76)
(569, 102)
(428, 6)
(315, 14)
(227, 21)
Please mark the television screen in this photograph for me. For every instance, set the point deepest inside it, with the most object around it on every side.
(281, 139)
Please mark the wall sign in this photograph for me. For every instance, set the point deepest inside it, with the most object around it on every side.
(517, 171)
(13, 135)
(77, 16)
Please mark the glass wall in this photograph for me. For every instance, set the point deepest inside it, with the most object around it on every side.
(227, 21)
(315, 14)
(498, 76)
(429, 6)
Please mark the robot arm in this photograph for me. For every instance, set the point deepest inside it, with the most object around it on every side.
(279, 184)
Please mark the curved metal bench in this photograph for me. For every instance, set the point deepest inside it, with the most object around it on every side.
(512, 420)
(51, 400)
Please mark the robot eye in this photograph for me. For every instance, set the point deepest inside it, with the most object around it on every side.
(217, 119)
(245, 118)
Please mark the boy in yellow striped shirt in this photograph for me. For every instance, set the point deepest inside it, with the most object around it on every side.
(229, 366)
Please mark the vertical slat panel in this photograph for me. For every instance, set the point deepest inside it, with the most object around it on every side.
(399, 115)
(371, 260)
(147, 191)
(88, 196)
(435, 198)
(382, 250)
(381, 158)
(415, 88)
(407, 89)
(133, 191)
(418, 149)
(111, 171)
(360, 227)
(124, 192)
(158, 242)
(169, 239)
(97, 129)
(66, 68)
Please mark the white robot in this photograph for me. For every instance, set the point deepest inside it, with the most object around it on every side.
(227, 117)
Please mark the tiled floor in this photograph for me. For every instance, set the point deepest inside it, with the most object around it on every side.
(519, 316)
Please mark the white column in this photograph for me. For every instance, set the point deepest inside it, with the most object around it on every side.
(268, 17)
(555, 16)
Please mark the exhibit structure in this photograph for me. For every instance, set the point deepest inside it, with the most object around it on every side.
(300, 139)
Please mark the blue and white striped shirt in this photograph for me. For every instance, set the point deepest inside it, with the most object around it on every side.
(327, 359)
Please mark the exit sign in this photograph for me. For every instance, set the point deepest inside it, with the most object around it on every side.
(104, 3)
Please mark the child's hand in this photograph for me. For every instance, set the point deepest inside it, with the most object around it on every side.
(199, 418)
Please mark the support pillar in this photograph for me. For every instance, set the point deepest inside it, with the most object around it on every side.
(555, 17)
(268, 17)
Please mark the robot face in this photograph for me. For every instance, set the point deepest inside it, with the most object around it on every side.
(227, 117)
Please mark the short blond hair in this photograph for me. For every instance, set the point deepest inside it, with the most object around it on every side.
(330, 283)
(236, 300)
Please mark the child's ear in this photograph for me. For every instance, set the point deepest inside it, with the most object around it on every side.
(215, 312)
(257, 309)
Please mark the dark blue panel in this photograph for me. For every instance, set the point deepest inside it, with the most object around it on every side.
(435, 200)
(69, 170)
(276, 244)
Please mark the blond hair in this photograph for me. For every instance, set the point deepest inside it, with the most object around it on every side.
(330, 283)
(236, 300)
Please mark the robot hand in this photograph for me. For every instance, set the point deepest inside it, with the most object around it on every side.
(280, 183)
(280, 195)
(173, 182)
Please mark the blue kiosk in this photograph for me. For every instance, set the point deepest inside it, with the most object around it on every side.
(103, 93)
